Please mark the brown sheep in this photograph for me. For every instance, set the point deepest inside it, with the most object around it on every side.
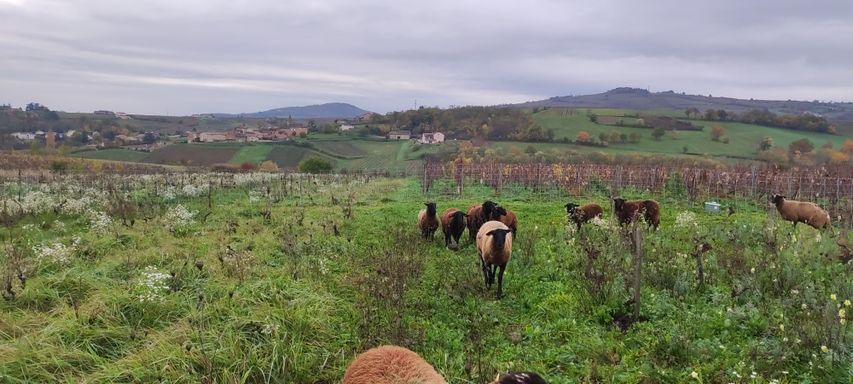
(519, 378)
(581, 214)
(390, 364)
(801, 212)
(453, 223)
(428, 221)
(479, 214)
(628, 211)
(495, 249)
(507, 217)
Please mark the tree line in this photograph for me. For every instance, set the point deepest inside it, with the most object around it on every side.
(801, 122)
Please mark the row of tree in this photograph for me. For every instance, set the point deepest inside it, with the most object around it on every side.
(802, 122)
(468, 123)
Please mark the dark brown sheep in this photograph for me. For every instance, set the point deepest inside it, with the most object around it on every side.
(801, 212)
(507, 217)
(453, 223)
(581, 214)
(628, 211)
(479, 214)
(428, 221)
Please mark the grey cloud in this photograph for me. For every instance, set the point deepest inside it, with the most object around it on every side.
(233, 56)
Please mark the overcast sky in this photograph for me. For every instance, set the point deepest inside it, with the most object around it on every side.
(192, 56)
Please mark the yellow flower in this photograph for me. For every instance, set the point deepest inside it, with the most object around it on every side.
(694, 374)
(833, 297)
(782, 327)
(824, 349)
(842, 313)
(847, 303)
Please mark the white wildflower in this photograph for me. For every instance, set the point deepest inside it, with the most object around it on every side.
(53, 253)
(178, 218)
(686, 219)
(152, 284)
(100, 222)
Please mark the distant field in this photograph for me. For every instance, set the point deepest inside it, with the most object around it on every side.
(193, 154)
(340, 148)
(289, 156)
(253, 153)
(743, 138)
(116, 154)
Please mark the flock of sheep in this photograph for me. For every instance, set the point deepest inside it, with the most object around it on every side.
(493, 228)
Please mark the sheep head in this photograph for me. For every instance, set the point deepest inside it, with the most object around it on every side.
(431, 208)
(498, 237)
(778, 199)
(498, 212)
(489, 208)
(618, 203)
(570, 208)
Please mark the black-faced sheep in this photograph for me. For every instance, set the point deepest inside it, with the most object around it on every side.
(581, 214)
(390, 364)
(628, 211)
(801, 212)
(453, 223)
(428, 221)
(479, 214)
(494, 245)
(519, 378)
(507, 217)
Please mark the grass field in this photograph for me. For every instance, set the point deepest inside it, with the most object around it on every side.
(743, 138)
(116, 154)
(289, 156)
(194, 154)
(229, 294)
(254, 154)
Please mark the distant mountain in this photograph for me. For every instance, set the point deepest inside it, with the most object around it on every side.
(318, 111)
(635, 98)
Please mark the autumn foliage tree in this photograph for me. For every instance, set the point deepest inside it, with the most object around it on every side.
(583, 137)
(717, 132)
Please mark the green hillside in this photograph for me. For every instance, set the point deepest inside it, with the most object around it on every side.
(743, 138)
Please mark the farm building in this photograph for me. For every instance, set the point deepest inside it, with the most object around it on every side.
(431, 138)
(399, 135)
(346, 127)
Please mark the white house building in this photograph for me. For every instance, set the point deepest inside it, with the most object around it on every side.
(431, 138)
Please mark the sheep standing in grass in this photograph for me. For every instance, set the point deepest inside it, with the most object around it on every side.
(428, 221)
(801, 212)
(628, 211)
(581, 214)
(507, 217)
(494, 245)
(519, 378)
(453, 223)
(391, 365)
(479, 214)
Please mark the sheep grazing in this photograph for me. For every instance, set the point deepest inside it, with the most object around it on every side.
(628, 211)
(428, 221)
(453, 223)
(390, 364)
(495, 248)
(801, 212)
(581, 214)
(507, 217)
(519, 378)
(479, 214)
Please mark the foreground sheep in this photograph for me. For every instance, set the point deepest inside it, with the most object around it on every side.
(453, 223)
(494, 245)
(519, 378)
(428, 221)
(391, 365)
(628, 211)
(507, 217)
(581, 214)
(801, 212)
(479, 214)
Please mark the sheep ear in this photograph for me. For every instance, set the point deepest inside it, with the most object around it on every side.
(489, 233)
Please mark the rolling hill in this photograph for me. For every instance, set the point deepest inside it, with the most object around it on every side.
(318, 111)
(641, 99)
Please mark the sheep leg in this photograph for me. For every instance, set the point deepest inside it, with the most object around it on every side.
(492, 274)
(446, 239)
(501, 280)
(485, 272)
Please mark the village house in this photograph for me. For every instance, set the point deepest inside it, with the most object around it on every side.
(247, 135)
(24, 136)
(431, 138)
(399, 135)
(346, 127)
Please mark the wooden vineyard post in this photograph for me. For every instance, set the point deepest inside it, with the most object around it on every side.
(637, 237)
